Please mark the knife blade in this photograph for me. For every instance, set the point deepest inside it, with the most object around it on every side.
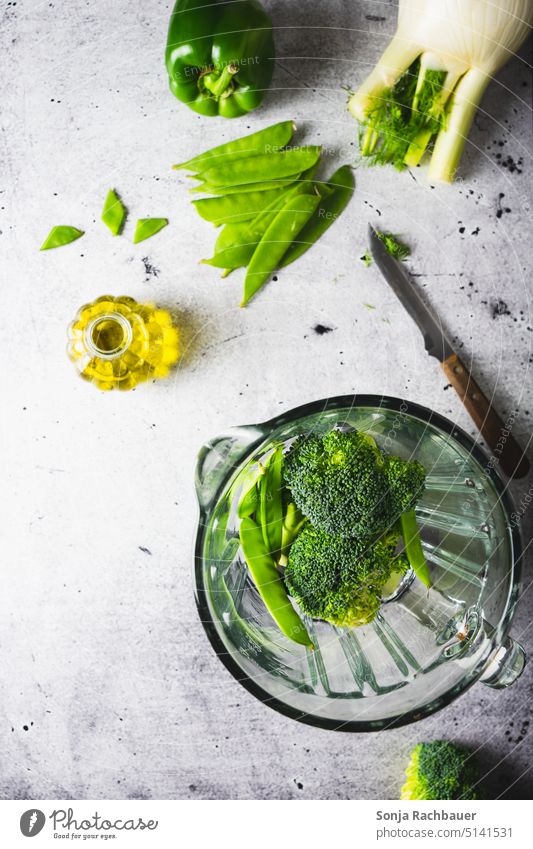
(495, 431)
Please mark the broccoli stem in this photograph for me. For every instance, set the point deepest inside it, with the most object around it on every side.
(451, 139)
(413, 547)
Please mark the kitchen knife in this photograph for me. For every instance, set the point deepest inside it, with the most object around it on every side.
(495, 432)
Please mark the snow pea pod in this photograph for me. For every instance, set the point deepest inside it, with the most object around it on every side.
(341, 187)
(147, 227)
(263, 186)
(114, 212)
(264, 141)
(234, 209)
(270, 584)
(293, 522)
(276, 241)
(236, 244)
(249, 497)
(270, 502)
(234, 247)
(413, 547)
(61, 235)
(268, 166)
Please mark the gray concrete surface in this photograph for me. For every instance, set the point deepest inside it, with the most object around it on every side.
(109, 686)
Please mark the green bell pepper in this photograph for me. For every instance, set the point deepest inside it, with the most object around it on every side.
(220, 55)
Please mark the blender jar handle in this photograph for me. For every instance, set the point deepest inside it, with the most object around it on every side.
(219, 458)
(505, 666)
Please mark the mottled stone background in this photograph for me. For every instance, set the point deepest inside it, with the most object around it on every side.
(109, 686)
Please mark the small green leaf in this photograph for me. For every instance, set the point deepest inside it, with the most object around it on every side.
(396, 248)
(59, 236)
(147, 227)
(114, 212)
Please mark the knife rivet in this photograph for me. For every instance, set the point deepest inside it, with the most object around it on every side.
(458, 369)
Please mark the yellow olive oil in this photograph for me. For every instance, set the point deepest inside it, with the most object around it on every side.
(117, 343)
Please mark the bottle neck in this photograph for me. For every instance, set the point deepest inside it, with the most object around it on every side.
(108, 336)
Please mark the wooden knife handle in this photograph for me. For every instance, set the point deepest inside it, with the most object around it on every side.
(495, 432)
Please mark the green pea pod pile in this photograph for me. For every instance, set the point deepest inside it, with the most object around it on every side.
(220, 55)
(265, 196)
(266, 529)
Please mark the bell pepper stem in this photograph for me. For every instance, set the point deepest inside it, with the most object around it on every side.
(219, 87)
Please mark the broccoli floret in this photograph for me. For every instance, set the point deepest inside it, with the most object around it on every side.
(338, 482)
(336, 579)
(440, 770)
(346, 486)
(406, 479)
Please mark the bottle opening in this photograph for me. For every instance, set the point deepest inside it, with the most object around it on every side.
(108, 336)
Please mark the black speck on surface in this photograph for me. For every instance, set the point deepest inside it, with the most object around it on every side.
(298, 784)
(500, 208)
(499, 307)
(144, 550)
(514, 167)
(149, 269)
(321, 329)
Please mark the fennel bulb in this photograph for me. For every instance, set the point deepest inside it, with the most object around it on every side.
(429, 81)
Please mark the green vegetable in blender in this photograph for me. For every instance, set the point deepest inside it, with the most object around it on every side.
(338, 482)
(406, 480)
(293, 522)
(113, 213)
(220, 55)
(413, 547)
(61, 235)
(270, 584)
(441, 770)
(347, 487)
(279, 236)
(147, 227)
(271, 503)
(338, 580)
(249, 495)
(268, 140)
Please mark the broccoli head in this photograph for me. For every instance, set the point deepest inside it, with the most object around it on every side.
(338, 580)
(338, 482)
(406, 480)
(440, 770)
(347, 487)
